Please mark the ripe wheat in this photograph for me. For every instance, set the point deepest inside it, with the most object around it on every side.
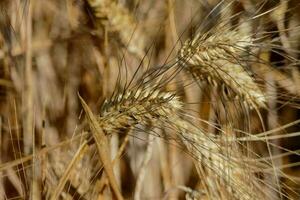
(221, 59)
(148, 104)
(118, 19)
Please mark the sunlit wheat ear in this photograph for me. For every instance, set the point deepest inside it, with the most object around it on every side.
(118, 19)
(220, 59)
(137, 107)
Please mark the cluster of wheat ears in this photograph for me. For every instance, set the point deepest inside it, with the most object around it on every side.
(149, 99)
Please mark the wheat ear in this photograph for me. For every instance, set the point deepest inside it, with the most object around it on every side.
(219, 164)
(137, 107)
(222, 59)
(120, 20)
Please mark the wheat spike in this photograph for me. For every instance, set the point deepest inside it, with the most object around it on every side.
(120, 20)
(226, 176)
(137, 107)
(220, 59)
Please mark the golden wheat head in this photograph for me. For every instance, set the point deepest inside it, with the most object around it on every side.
(138, 106)
(221, 59)
(118, 19)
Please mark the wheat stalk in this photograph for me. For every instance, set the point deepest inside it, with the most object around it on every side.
(101, 142)
(77, 157)
(220, 59)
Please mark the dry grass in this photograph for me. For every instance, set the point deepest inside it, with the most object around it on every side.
(151, 99)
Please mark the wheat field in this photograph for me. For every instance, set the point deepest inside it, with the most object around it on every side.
(149, 99)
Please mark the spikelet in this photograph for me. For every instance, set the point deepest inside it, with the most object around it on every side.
(119, 19)
(220, 59)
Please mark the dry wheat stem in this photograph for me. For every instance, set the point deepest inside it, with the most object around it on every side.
(103, 150)
(79, 154)
(142, 172)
